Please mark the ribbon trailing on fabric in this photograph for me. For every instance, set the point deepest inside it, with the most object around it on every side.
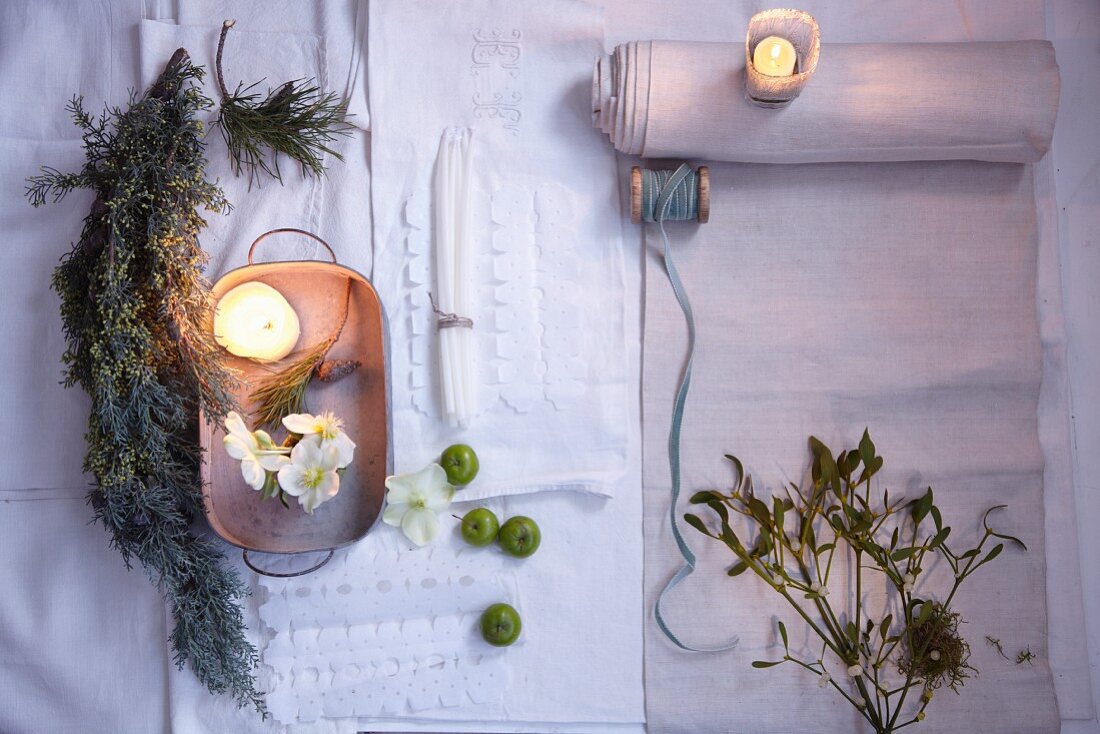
(672, 197)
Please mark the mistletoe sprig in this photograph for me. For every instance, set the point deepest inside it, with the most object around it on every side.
(792, 544)
(134, 306)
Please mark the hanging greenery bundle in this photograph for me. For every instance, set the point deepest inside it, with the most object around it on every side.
(297, 119)
(134, 306)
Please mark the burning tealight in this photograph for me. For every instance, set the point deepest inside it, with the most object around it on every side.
(774, 56)
(255, 321)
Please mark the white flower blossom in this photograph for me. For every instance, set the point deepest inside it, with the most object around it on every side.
(325, 430)
(311, 474)
(255, 450)
(413, 501)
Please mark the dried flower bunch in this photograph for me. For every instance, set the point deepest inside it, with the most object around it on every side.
(134, 306)
(888, 659)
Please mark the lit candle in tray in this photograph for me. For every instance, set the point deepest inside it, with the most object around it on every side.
(253, 320)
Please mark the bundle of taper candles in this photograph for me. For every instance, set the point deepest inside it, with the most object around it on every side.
(865, 102)
(454, 275)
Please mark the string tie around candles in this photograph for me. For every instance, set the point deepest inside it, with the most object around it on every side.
(447, 320)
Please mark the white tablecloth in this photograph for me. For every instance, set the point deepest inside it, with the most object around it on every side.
(76, 628)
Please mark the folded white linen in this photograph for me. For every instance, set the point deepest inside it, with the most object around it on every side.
(548, 319)
(301, 201)
(368, 634)
(853, 21)
(44, 62)
(866, 102)
(81, 638)
(385, 630)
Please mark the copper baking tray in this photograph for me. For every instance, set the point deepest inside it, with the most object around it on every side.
(234, 510)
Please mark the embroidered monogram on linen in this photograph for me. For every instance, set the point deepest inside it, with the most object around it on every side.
(496, 71)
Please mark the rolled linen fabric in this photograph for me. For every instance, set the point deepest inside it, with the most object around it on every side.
(866, 102)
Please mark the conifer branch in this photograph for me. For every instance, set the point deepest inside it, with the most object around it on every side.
(135, 309)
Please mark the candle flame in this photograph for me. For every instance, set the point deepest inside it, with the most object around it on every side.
(775, 51)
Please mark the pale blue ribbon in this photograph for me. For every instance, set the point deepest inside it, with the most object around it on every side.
(660, 212)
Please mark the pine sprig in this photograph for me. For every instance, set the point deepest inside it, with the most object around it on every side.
(284, 392)
(133, 306)
(297, 119)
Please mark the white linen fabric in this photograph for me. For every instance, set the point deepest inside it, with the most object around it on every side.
(595, 542)
(302, 201)
(36, 131)
(866, 102)
(943, 21)
(339, 24)
(341, 207)
(75, 625)
(829, 297)
(548, 320)
(854, 21)
(382, 631)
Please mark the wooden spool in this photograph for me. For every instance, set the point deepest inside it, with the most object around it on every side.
(703, 190)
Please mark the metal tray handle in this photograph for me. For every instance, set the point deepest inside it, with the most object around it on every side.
(290, 230)
(272, 574)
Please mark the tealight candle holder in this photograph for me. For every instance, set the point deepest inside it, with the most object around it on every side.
(800, 29)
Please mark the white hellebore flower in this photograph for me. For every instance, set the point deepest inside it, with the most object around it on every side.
(907, 582)
(413, 501)
(310, 475)
(256, 451)
(324, 430)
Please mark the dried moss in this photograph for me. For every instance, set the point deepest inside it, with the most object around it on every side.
(935, 652)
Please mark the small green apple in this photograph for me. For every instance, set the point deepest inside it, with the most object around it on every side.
(519, 536)
(500, 625)
(480, 527)
(461, 464)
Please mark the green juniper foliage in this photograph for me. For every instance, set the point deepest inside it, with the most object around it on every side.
(135, 306)
(875, 661)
